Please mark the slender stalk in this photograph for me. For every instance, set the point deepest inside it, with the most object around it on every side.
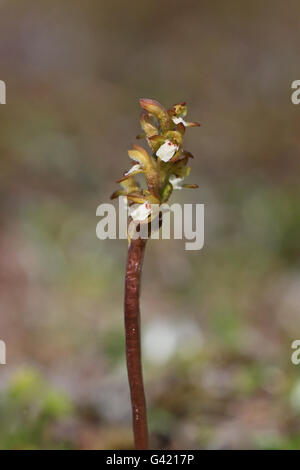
(133, 342)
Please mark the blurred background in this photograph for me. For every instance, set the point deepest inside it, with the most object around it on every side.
(218, 323)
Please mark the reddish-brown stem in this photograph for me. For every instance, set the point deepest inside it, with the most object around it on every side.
(133, 341)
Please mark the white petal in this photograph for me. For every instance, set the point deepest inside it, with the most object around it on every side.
(133, 169)
(140, 211)
(177, 120)
(166, 151)
(176, 182)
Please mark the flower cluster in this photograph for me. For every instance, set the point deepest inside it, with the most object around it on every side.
(166, 167)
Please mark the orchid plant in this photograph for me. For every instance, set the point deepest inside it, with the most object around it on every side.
(164, 171)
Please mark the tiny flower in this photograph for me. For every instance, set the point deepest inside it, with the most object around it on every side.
(166, 151)
(133, 169)
(140, 212)
(156, 109)
(176, 182)
(178, 120)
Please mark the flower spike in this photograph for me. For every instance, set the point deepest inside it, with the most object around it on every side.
(165, 167)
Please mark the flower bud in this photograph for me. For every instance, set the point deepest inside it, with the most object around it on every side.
(155, 108)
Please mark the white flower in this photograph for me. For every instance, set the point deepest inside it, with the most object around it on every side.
(176, 182)
(133, 169)
(166, 151)
(177, 120)
(140, 212)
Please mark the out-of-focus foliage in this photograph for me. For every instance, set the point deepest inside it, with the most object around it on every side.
(217, 324)
(29, 409)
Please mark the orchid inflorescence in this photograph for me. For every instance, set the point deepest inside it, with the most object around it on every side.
(166, 168)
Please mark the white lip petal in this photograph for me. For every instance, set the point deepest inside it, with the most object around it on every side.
(178, 120)
(166, 151)
(140, 212)
(176, 182)
(133, 169)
